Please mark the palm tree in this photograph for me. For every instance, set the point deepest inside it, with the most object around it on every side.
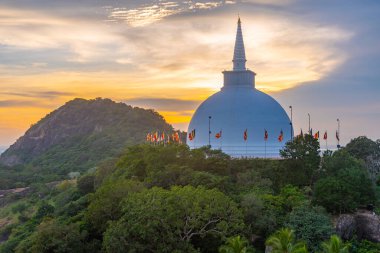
(335, 245)
(283, 241)
(235, 244)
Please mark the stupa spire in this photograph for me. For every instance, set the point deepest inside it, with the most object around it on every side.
(239, 59)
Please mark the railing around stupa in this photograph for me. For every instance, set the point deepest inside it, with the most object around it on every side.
(256, 151)
(249, 151)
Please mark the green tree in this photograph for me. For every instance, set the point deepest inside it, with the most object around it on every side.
(53, 237)
(362, 147)
(335, 245)
(85, 184)
(167, 220)
(283, 241)
(45, 209)
(364, 246)
(105, 202)
(265, 213)
(346, 184)
(311, 225)
(304, 149)
(236, 244)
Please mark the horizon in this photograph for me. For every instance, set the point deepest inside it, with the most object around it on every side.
(321, 58)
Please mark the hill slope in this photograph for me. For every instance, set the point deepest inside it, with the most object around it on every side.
(81, 133)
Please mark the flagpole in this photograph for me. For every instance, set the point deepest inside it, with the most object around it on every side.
(338, 132)
(265, 142)
(221, 138)
(291, 122)
(246, 153)
(209, 131)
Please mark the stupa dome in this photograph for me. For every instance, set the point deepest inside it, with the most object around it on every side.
(240, 120)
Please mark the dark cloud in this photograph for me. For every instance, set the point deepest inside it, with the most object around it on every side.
(164, 104)
(20, 103)
(39, 94)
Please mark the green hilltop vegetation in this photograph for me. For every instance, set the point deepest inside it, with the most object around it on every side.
(75, 138)
(173, 199)
(82, 180)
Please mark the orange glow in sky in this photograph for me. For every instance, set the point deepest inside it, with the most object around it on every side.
(167, 56)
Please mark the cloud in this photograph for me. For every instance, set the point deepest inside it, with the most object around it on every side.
(165, 104)
(38, 94)
(19, 103)
(155, 11)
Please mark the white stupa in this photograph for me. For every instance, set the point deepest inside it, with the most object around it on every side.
(240, 108)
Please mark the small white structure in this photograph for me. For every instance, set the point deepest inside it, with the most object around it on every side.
(236, 118)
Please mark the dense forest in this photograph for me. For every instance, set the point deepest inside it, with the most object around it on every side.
(156, 198)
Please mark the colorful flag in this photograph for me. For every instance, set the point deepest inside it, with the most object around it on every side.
(190, 136)
(155, 136)
(176, 137)
(325, 136)
(337, 135)
(218, 135)
(265, 135)
(148, 137)
(163, 136)
(245, 136)
(281, 136)
(316, 135)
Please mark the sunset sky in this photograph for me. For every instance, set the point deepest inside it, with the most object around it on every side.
(322, 57)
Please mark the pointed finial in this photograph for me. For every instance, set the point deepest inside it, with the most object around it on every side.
(239, 59)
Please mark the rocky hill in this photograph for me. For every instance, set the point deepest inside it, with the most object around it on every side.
(81, 133)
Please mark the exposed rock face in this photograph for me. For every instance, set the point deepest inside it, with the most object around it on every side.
(346, 226)
(365, 225)
(83, 131)
(368, 227)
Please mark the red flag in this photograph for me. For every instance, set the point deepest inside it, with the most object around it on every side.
(245, 136)
(218, 135)
(176, 137)
(325, 136)
(337, 135)
(163, 136)
(266, 135)
(316, 135)
(190, 136)
(281, 136)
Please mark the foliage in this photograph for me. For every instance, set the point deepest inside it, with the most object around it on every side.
(335, 245)
(152, 196)
(283, 241)
(45, 209)
(362, 147)
(304, 149)
(168, 220)
(86, 184)
(53, 237)
(105, 202)
(346, 186)
(265, 213)
(236, 244)
(364, 246)
(311, 225)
